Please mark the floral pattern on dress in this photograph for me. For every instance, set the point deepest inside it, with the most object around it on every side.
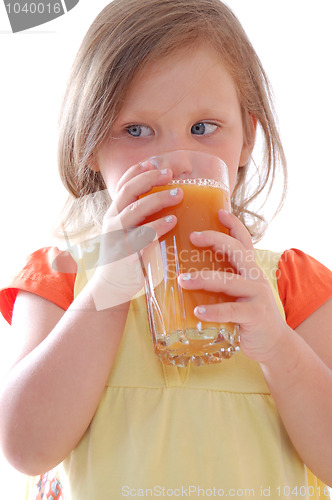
(47, 487)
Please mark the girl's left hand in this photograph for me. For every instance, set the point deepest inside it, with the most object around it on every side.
(255, 308)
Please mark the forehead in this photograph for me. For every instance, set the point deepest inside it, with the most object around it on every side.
(197, 73)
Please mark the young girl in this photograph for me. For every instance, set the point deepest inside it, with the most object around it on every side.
(87, 394)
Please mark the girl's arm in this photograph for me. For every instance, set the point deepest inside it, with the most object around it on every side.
(298, 372)
(51, 394)
(53, 390)
(297, 365)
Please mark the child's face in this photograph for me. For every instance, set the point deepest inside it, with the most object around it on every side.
(185, 101)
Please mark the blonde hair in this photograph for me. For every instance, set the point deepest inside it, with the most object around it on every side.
(127, 35)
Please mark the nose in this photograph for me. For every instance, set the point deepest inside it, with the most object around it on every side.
(180, 162)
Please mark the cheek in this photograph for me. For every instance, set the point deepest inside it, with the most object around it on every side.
(230, 151)
(235, 160)
(232, 172)
(111, 182)
(111, 169)
(231, 158)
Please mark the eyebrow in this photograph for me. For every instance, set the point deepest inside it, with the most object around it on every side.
(138, 116)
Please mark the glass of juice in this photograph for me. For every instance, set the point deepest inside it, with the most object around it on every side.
(179, 337)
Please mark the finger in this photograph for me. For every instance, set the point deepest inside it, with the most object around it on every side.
(140, 184)
(132, 172)
(227, 312)
(140, 237)
(236, 229)
(218, 282)
(163, 225)
(139, 210)
(116, 245)
(241, 258)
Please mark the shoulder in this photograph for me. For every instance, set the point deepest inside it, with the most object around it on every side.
(47, 272)
(304, 284)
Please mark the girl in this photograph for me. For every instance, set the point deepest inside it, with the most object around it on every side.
(154, 76)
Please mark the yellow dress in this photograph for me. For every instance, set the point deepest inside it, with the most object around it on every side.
(195, 432)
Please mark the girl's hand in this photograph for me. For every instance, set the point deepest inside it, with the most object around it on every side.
(254, 308)
(124, 233)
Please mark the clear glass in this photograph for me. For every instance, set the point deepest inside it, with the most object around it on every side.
(179, 337)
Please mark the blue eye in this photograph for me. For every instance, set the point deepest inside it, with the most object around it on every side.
(203, 128)
(139, 130)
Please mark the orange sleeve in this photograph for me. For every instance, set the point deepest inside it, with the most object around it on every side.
(304, 284)
(39, 276)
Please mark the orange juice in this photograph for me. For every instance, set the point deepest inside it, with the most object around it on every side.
(178, 334)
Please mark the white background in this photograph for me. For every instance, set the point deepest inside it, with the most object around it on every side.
(294, 41)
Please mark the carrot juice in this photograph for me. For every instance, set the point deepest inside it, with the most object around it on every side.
(178, 335)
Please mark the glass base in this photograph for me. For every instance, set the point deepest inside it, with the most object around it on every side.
(198, 347)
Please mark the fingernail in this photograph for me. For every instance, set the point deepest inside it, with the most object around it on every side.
(197, 232)
(145, 165)
(169, 218)
(186, 276)
(200, 309)
(164, 171)
(173, 192)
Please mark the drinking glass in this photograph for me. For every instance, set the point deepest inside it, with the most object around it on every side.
(179, 337)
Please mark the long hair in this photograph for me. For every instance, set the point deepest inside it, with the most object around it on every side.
(123, 39)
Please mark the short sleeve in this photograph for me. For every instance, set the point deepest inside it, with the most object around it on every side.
(40, 276)
(304, 284)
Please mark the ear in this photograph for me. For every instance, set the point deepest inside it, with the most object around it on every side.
(249, 132)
